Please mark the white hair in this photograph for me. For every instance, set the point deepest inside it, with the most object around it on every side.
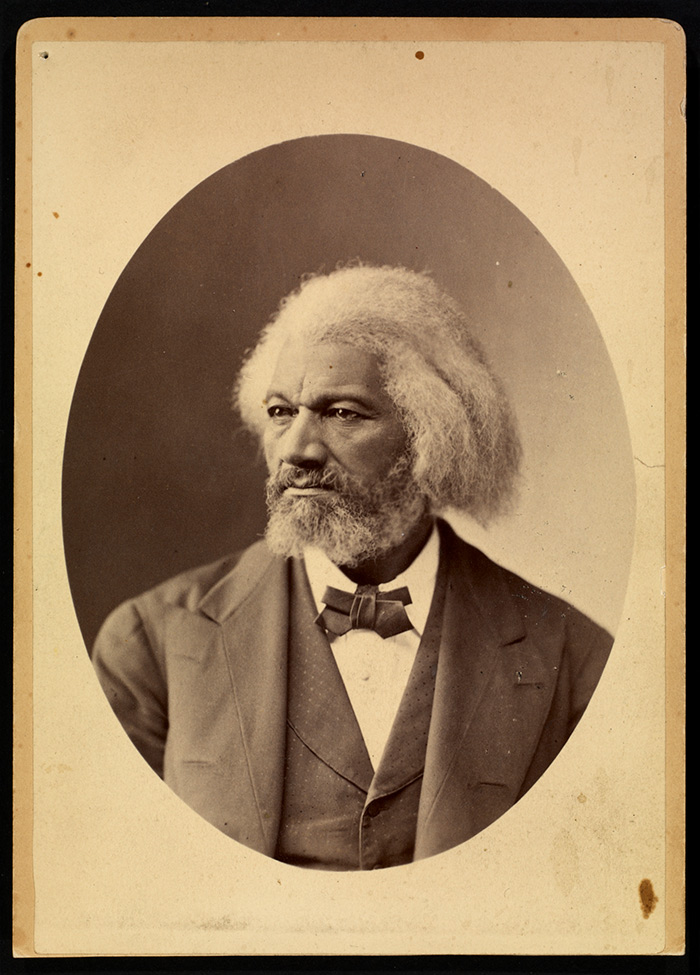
(461, 431)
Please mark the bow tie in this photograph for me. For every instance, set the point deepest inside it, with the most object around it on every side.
(365, 609)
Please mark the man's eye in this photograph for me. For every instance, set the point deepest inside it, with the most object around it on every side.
(280, 412)
(342, 413)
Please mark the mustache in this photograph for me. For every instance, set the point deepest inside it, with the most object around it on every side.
(290, 476)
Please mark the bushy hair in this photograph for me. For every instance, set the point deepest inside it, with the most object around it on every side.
(461, 430)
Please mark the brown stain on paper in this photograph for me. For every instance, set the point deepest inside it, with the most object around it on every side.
(648, 898)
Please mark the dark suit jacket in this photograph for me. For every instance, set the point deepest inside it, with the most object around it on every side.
(196, 671)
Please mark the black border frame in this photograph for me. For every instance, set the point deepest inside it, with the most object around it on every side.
(12, 16)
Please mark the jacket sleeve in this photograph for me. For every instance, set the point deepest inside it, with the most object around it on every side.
(131, 672)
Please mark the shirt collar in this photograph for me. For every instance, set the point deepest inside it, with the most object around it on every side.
(420, 578)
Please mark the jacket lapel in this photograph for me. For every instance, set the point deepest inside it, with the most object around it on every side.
(320, 711)
(251, 606)
(493, 690)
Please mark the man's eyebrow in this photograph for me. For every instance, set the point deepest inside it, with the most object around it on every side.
(325, 398)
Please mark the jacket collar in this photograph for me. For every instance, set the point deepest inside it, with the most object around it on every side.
(238, 585)
(482, 585)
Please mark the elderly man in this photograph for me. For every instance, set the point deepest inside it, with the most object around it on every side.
(361, 689)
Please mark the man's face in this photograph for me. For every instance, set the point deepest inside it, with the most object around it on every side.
(337, 453)
(328, 410)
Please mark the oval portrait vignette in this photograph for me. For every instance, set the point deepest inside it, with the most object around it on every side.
(336, 502)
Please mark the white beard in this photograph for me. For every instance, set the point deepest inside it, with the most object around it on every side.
(350, 524)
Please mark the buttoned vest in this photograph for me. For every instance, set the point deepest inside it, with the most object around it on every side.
(338, 813)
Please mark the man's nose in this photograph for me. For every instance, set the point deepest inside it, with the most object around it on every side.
(302, 443)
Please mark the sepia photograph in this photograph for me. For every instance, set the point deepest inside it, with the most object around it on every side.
(412, 688)
(349, 491)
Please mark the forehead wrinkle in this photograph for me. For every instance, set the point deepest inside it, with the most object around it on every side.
(326, 371)
(316, 394)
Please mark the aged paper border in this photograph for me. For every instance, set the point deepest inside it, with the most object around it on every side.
(329, 29)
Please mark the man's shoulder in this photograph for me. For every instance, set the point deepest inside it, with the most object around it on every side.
(188, 589)
(211, 590)
(538, 608)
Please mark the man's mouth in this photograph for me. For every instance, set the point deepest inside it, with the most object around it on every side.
(305, 484)
(307, 489)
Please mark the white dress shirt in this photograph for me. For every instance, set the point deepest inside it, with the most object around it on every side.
(376, 670)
